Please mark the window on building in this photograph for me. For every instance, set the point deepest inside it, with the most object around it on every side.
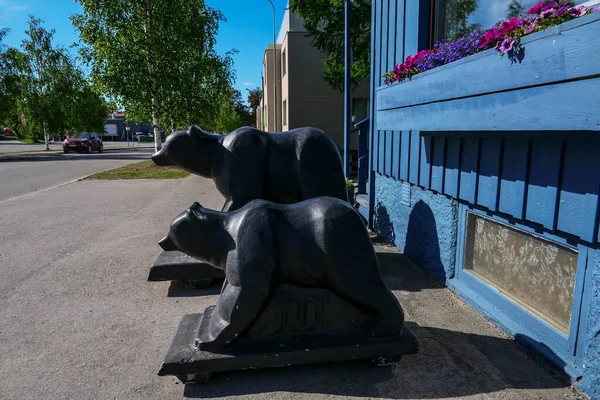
(360, 109)
(284, 113)
(534, 272)
(283, 64)
(456, 18)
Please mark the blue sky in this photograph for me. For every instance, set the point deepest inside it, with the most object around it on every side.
(249, 29)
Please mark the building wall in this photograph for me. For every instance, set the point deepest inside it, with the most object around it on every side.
(590, 383)
(311, 101)
(421, 223)
(452, 141)
(272, 124)
(285, 84)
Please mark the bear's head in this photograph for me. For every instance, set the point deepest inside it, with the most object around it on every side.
(192, 150)
(199, 233)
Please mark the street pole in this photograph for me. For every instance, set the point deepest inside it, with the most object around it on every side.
(274, 70)
(347, 89)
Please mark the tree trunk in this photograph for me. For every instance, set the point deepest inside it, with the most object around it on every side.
(155, 121)
(153, 89)
(173, 126)
(46, 137)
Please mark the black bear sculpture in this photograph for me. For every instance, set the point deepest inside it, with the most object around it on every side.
(249, 164)
(302, 283)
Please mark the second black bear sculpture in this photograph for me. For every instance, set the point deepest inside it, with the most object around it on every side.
(316, 255)
(249, 164)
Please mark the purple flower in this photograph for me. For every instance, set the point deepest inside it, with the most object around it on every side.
(525, 21)
(531, 27)
(597, 9)
(578, 11)
(507, 45)
(537, 9)
(547, 13)
(562, 10)
(550, 6)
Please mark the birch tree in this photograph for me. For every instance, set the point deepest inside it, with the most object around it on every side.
(39, 69)
(142, 52)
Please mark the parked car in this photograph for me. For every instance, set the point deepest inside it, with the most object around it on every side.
(9, 132)
(83, 142)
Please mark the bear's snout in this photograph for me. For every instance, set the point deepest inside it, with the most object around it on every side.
(160, 158)
(167, 244)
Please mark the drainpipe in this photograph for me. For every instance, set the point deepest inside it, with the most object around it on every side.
(347, 90)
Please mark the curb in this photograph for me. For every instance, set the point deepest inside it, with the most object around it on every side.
(30, 153)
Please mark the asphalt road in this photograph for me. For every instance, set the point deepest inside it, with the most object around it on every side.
(12, 146)
(24, 174)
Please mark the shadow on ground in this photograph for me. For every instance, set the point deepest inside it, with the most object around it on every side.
(449, 364)
(141, 153)
(400, 274)
(187, 289)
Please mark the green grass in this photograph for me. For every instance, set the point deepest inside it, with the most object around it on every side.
(142, 170)
(30, 141)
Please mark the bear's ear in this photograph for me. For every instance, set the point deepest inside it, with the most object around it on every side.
(197, 210)
(195, 132)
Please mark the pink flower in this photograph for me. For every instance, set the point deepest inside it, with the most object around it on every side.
(509, 26)
(597, 9)
(490, 36)
(578, 11)
(507, 45)
(537, 9)
(420, 55)
(550, 6)
(525, 21)
(409, 63)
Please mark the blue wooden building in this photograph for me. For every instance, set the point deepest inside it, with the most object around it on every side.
(486, 172)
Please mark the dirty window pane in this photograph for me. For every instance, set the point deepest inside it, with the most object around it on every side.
(534, 272)
(456, 18)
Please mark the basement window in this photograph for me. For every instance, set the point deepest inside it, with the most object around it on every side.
(534, 272)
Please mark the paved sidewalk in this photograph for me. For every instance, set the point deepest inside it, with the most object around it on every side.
(78, 320)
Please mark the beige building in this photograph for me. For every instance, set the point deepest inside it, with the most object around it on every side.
(303, 97)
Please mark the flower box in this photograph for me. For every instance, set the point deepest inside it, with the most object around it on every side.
(555, 85)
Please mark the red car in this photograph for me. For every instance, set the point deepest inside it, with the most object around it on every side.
(83, 142)
(8, 132)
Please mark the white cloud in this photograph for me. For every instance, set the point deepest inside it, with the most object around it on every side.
(489, 12)
(8, 8)
(247, 83)
(18, 7)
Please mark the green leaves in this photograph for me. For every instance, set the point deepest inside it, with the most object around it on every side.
(156, 58)
(47, 88)
(324, 20)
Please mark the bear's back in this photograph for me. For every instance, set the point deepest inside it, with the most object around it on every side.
(305, 236)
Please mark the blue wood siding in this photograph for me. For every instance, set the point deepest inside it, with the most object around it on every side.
(539, 179)
(514, 138)
(566, 52)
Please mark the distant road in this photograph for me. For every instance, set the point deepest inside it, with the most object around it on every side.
(21, 175)
(11, 146)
